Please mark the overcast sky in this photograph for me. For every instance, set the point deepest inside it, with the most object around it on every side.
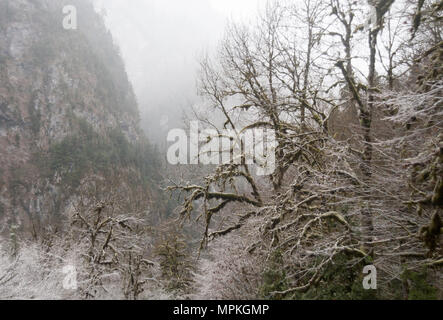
(161, 40)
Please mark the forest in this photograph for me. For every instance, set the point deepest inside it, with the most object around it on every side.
(352, 93)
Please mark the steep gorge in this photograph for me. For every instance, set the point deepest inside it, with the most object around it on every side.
(68, 116)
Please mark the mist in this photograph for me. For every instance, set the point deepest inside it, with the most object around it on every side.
(161, 43)
(304, 161)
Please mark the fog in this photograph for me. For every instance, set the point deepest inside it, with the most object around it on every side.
(161, 42)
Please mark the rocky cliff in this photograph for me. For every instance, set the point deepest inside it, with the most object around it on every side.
(68, 115)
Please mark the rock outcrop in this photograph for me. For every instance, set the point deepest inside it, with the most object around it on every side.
(68, 115)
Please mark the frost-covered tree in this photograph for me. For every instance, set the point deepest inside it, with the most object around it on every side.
(335, 201)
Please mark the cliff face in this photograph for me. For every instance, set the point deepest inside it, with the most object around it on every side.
(68, 115)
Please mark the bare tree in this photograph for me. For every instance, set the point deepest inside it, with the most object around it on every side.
(328, 200)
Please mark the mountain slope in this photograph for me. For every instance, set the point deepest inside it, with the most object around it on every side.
(68, 115)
